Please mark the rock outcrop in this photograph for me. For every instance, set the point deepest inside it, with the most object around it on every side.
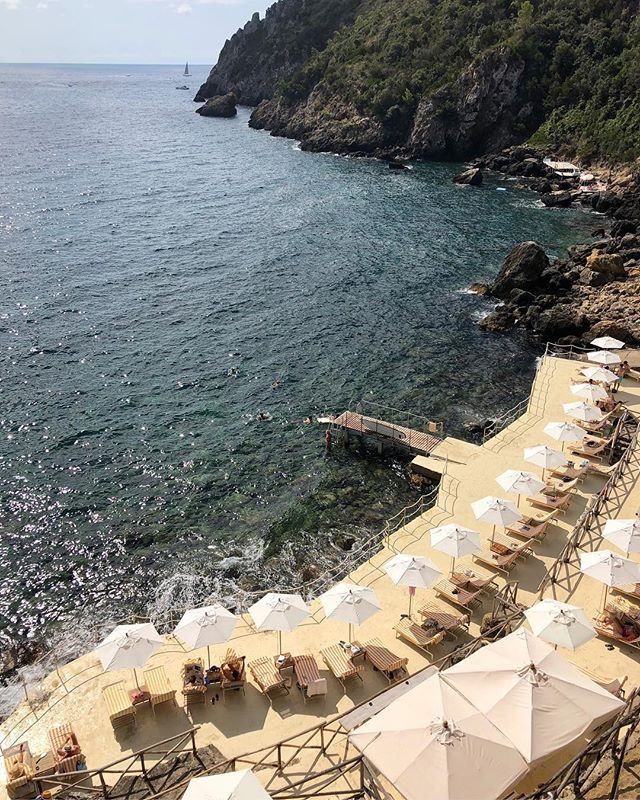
(470, 177)
(267, 50)
(220, 106)
(474, 114)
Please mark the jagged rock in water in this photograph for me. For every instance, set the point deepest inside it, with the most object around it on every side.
(220, 106)
(267, 50)
(561, 199)
(522, 269)
(470, 177)
(474, 114)
(501, 319)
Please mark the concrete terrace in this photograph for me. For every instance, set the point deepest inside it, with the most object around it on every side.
(246, 723)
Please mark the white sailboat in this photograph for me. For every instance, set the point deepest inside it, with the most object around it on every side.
(186, 72)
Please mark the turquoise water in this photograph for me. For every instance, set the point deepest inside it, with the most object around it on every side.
(159, 271)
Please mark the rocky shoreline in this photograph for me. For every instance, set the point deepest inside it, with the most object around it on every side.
(595, 290)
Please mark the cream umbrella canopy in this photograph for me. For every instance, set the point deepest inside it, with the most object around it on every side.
(539, 701)
(496, 511)
(129, 647)
(604, 357)
(455, 541)
(202, 627)
(589, 391)
(242, 785)
(610, 569)
(545, 457)
(624, 533)
(416, 572)
(432, 744)
(607, 343)
(565, 432)
(279, 612)
(560, 624)
(599, 374)
(350, 603)
(520, 483)
(582, 411)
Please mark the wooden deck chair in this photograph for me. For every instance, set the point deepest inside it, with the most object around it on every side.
(604, 627)
(465, 598)
(416, 635)
(559, 501)
(632, 591)
(613, 685)
(60, 737)
(193, 685)
(234, 662)
(592, 447)
(120, 709)
(20, 769)
(532, 527)
(267, 676)
(341, 664)
(392, 666)
(503, 563)
(160, 690)
(437, 618)
(308, 679)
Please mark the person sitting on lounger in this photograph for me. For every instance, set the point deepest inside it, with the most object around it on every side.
(233, 670)
(69, 748)
(622, 631)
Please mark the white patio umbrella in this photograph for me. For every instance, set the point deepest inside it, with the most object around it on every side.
(545, 457)
(604, 357)
(582, 411)
(496, 511)
(520, 483)
(538, 700)
(416, 572)
(455, 541)
(624, 533)
(432, 744)
(279, 612)
(202, 627)
(129, 647)
(607, 343)
(560, 623)
(590, 391)
(242, 785)
(350, 603)
(565, 432)
(610, 569)
(600, 375)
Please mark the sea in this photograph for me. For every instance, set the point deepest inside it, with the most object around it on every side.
(166, 277)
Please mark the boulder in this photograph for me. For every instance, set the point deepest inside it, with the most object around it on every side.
(478, 288)
(522, 269)
(470, 177)
(608, 327)
(605, 202)
(501, 319)
(623, 226)
(223, 105)
(609, 263)
(561, 199)
(561, 320)
(589, 277)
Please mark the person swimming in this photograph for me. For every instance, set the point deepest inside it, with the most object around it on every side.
(276, 384)
(263, 416)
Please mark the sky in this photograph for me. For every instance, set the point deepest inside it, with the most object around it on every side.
(120, 31)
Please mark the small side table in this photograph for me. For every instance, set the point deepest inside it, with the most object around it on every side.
(285, 664)
(361, 654)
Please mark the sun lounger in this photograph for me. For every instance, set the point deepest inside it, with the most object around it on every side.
(531, 528)
(60, 737)
(308, 677)
(466, 598)
(267, 676)
(340, 663)
(604, 627)
(633, 590)
(613, 685)
(121, 710)
(547, 498)
(20, 769)
(472, 580)
(193, 685)
(160, 690)
(503, 562)
(392, 666)
(592, 447)
(436, 619)
(231, 663)
(416, 635)
(571, 473)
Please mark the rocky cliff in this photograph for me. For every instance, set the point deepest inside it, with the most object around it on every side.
(441, 78)
(267, 50)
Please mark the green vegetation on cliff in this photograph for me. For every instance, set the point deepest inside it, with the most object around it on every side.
(579, 90)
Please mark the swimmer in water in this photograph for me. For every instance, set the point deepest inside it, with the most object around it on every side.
(276, 384)
(262, 416)
(232, 372)
(308, 420)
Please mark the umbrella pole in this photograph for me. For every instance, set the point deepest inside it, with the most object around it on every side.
(518, 501)
(208, 655)
(350, 629)
(493, 532)
(279, 643)
(410, 598)
(135, 677)
(453, 563)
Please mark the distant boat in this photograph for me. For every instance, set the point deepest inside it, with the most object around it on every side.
(182, 87)
(186, 72)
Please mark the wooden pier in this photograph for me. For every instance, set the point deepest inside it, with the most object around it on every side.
(384, 435)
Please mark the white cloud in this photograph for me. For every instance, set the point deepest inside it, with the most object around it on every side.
(183, 8)
(42, 4)
(12, 4)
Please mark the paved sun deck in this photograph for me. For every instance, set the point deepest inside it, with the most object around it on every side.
(249, 722)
